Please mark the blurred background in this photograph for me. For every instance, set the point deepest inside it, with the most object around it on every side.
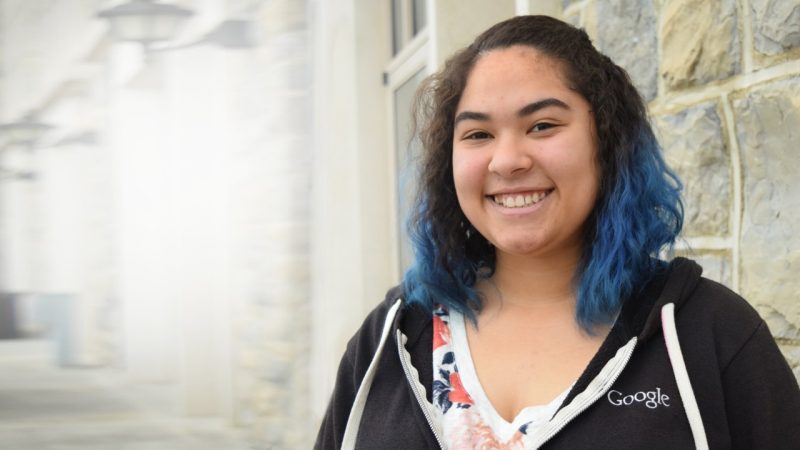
(200, 200)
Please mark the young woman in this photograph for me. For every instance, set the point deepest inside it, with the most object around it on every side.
(536, 313)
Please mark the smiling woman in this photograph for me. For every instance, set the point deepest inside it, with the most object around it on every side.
(537, 312)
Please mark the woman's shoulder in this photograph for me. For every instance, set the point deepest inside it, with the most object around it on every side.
(372, 326)
(717, 302)
(410, 318)
(716, 319)
(699, 297)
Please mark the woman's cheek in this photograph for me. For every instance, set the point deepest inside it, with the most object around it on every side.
(468, 169)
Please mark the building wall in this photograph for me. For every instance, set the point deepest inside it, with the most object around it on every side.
(351, 250)
(270, 215)
(722, 79)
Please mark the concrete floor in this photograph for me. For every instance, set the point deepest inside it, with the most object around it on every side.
(47, 408)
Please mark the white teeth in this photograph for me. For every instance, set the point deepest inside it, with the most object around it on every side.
(519, 200)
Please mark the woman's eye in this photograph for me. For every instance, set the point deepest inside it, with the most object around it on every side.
(478, 135)
(542, 126)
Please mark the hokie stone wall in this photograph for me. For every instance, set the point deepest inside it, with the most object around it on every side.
(722, 79)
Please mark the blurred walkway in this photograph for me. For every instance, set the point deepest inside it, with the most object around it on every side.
(47, 408)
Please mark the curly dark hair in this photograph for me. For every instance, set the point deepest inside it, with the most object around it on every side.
(452, 252)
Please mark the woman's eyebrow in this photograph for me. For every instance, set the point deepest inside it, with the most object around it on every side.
(471, 115)
(541, 104)
(526, 110)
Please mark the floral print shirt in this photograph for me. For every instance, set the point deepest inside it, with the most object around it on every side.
(468, 419)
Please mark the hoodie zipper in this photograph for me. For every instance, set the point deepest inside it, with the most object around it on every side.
(421, 401)
(580, 408)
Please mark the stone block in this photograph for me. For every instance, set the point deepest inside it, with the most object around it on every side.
(269, 398)
(786, 333)
(792, 355)
(776, 25)
(717, 264)
(695, 148)
(276, 370)
(711, 51)
(768, 131)
(280, 324)
(628, 36)
(781, 328)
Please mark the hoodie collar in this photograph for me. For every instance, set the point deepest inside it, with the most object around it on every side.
(675, 286)
(640, 315)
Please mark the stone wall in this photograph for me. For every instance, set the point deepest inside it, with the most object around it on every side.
(270, 214)
(722, 78)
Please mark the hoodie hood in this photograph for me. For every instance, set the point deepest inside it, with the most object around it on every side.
(677, 286)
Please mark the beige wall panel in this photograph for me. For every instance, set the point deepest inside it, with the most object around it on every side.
(455, 23)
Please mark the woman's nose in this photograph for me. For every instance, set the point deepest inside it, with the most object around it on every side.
(510, 157)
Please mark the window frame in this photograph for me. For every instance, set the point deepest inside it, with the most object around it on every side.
(413, 57)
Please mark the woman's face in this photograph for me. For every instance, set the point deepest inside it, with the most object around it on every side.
(524, 154)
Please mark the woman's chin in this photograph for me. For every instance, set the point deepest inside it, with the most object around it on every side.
(536, 247)
(518, 247)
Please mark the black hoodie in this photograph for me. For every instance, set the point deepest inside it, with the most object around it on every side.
(742, 392)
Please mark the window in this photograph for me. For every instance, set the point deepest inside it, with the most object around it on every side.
(407, 151)
(403, 75)
(409, 18)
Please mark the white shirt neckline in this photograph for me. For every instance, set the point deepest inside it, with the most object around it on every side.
(535, 415)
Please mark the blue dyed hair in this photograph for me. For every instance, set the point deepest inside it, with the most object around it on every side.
(638, 210)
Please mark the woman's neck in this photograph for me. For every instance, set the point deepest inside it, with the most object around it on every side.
(533, 282)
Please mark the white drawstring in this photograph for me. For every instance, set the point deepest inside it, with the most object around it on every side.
(354, 420)
(682, 376)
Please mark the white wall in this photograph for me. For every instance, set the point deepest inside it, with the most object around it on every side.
(351, 265)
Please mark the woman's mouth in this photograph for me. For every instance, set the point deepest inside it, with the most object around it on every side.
(520, 199)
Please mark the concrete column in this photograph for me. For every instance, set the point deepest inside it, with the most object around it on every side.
(197, 161)
(352, 248)
(145, 218)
